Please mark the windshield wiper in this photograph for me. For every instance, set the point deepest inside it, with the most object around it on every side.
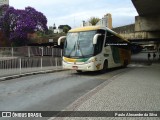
(79, 48)
(72, 50)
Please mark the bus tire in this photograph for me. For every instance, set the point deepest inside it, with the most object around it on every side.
(105, 67)
(125, 63)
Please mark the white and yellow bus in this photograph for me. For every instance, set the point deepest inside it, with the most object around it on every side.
(94, 48)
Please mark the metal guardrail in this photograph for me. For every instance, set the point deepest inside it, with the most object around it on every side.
(30, 62)
(24, 65)
(18, 60)
(30, 51)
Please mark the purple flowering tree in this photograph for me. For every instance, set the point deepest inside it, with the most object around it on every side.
(16, 24)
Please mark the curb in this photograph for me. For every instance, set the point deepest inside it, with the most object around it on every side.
(28, 74)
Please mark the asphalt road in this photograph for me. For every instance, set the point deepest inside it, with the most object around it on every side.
(50, 92)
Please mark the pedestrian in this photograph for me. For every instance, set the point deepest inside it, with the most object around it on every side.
(154, 55)
(149, 55)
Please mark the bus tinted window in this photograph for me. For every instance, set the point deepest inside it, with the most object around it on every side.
(116, 41)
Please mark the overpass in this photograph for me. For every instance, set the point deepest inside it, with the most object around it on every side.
(147, 24)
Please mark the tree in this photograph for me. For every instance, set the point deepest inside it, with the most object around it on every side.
(49, 32)
(65, 28)
(16, 24)
(94, 20)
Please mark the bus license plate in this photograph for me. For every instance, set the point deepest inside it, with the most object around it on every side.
(75, 67)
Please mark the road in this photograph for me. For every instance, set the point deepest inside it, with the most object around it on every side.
(138, 89)
(50, 92)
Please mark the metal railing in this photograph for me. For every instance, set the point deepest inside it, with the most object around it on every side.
(14, 66)
(30, 51)
(19, 60)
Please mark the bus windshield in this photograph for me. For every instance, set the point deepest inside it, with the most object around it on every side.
(79, 44)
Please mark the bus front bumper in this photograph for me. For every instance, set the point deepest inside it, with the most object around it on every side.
(83, 67)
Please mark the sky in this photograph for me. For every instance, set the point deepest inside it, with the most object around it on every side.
(73, 12)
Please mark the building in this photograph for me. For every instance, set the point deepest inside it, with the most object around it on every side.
(55, 29)
(3, 2)
(3, 41)
(106, 21)
(58, 30)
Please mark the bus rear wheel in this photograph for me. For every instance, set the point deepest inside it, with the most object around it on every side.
(125, 63)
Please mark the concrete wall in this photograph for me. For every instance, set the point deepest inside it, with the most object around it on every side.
(125, 29)
(129, 32)
(141, 35)
(147, 23)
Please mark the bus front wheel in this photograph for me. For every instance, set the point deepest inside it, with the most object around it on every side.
(105, 67)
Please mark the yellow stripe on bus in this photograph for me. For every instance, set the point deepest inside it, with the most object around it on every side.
(88, 28)
(69, 59)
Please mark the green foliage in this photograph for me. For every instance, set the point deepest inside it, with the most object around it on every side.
(65, 29)
(94, 20)
(49, 32)
(40, 33)
(62, 26)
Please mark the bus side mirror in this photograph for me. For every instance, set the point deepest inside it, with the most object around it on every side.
(60, 39)
(95, 38)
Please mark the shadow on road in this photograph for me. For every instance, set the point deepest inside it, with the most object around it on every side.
(95, 73)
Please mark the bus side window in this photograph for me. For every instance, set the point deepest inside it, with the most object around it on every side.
(108, 40)
(115, 41)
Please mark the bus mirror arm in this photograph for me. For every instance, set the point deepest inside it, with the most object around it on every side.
(95, 38)
(60, 39)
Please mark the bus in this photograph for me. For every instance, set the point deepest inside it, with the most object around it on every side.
(94, 48)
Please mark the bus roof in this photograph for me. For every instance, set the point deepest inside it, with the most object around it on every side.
(87, 28)
(90, 28)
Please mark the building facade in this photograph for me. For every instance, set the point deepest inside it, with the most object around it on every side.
(3, 2)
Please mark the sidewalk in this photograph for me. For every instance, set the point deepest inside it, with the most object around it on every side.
(136, 90)
(17, 72)
(143, 58)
